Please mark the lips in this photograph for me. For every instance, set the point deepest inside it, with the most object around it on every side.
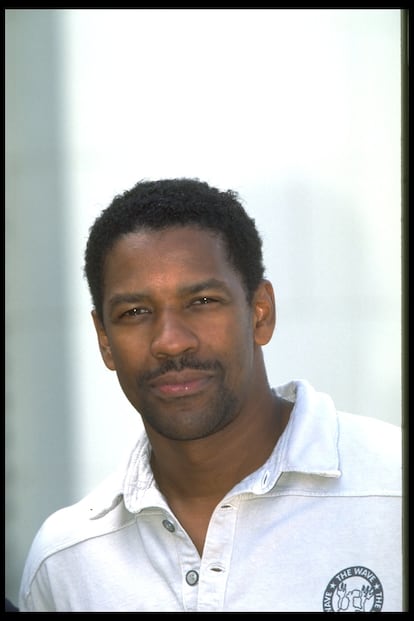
(180, 384)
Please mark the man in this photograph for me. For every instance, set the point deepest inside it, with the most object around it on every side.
(238, 497)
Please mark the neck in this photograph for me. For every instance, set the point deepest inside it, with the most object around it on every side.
(208, 468)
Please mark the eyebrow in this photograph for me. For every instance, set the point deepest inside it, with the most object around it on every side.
(211, 283)
(133, 298)
(125, 298)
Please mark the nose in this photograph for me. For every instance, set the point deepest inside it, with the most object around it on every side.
(172, 336)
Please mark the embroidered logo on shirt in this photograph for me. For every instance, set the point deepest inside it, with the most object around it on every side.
(354, 589)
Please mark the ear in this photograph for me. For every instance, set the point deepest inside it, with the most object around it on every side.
(264, 313)
(104, 346)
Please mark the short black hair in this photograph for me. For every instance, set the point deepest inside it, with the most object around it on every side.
(169, 203)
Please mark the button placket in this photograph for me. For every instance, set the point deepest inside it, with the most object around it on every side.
(216, 559)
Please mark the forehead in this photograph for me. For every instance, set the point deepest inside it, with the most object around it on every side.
(155, 257)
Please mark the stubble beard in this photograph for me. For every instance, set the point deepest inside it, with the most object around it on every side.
(187, 419)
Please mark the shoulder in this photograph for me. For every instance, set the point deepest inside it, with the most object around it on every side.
(373, 448)
(377, 436)
(99, 512)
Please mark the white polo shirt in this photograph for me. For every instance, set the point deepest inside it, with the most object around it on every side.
(316, 528)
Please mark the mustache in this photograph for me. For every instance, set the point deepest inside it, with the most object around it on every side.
(179, 364)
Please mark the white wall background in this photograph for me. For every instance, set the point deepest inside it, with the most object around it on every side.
(299, 111)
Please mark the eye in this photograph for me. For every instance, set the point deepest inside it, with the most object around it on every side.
(135, 312)
(203, 301)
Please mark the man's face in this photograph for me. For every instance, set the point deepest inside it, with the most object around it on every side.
(177, 330)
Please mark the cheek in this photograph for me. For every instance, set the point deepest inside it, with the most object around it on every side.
(228, 337)
(236, 344)
(128, 354)
(128, 368)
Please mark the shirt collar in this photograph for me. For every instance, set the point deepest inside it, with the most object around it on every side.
(133, 482)
(310, 442)
(308, 445)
